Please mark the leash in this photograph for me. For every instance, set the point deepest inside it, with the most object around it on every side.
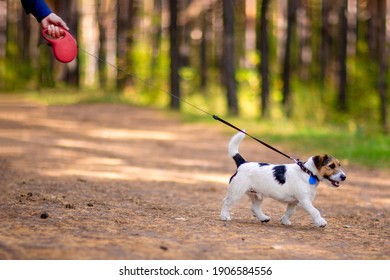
(65, 50)
(313, 178)
(192, 105)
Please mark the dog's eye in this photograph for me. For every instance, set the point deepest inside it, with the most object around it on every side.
(333, 166)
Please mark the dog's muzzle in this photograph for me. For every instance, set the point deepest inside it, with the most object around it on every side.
(336, 181)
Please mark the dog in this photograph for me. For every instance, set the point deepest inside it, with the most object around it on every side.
(289, 183)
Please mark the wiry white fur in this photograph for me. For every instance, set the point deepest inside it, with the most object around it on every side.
(259, 182)
(234, 143)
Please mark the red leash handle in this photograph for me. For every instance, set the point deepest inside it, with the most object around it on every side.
(64, 48)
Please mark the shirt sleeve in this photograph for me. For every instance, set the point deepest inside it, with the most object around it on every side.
(38, 8)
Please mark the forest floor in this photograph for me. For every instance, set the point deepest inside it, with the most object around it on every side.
(121, 182)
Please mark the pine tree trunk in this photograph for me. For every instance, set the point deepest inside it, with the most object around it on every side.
(228, 57)
(125, 17)
(100, 11)
(3, 27)
(325, 39)
(343, 28)
(291, 19)
(383, 64)
(68, 12)
(203, 50)
(262, 45)
(174, 55)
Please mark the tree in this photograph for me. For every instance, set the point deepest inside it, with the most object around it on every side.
(326, 39)
(383, 64)
(304, 30)
(174, 55)
(68, 10)
(3, 27)
(100, 11)
(156, 35)
(228, 57)
(262, 45)
(343, 28)
(291, 20)
(203, 50)
(125, 20)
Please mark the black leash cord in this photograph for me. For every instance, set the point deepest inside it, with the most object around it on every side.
(192, 105)
(254, 138)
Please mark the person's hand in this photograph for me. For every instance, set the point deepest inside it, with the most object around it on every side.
(54, 23)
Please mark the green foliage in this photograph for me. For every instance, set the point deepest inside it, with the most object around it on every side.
(315, 122)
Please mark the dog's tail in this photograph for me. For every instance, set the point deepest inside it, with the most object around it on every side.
(233, 148)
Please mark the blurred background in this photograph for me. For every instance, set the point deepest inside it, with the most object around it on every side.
(305, 62)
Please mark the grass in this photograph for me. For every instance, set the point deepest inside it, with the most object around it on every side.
(299, 139)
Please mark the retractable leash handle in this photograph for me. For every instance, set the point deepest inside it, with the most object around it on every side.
(64, 48)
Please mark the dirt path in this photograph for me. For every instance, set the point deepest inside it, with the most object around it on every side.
(118, 182)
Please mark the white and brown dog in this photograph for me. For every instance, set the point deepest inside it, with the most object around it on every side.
(286, 183)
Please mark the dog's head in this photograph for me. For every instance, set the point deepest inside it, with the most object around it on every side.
(329, 168)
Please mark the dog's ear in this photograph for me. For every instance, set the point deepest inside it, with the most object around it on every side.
(321, 160)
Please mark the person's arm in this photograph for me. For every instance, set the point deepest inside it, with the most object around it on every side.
(44, 15)
(38, 8)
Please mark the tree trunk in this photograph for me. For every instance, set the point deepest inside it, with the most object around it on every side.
(326, 39)
(24, 38)
(125, 17)
(291, 19)
(100, 11)
(372, 34)
(3, 27)
(262, 45)
(203, 50)
(383, 64)
(156, 35)
(68, 12)
(228, 57)
(343, 28)
(174, 55)
(24, 35)
(304, 27)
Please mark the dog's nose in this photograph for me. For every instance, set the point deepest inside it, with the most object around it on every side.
(343, 177)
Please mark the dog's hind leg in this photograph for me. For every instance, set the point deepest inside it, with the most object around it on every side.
(285, 220)
(257, 200)
(225, 212)
(235, 193)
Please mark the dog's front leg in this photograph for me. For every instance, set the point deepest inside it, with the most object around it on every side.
(313, 212)
(285, 220)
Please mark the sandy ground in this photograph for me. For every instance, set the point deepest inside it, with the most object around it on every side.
(119, 182)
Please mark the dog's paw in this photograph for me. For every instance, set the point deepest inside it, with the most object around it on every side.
(265, 219)
(321, 223)
(261, 217)
(225, 218)
(284, 221)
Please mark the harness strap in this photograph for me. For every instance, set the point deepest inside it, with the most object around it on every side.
(305, 169)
